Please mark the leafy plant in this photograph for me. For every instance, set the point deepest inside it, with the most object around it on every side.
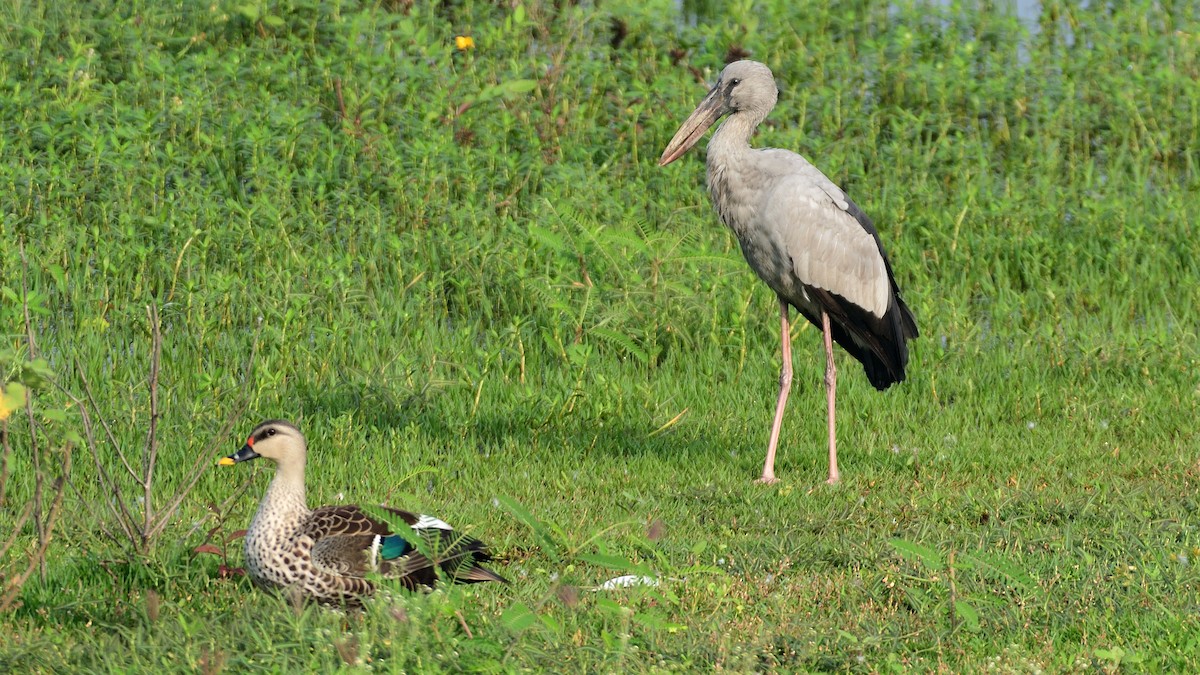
(115, 465)
(944, 580)
(49, 467)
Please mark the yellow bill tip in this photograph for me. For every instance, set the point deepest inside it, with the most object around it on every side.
(226, 461)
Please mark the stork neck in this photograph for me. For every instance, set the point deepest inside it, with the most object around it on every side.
(733, 136)
(733, 181)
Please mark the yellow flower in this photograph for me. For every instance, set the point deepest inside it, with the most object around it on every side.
(464, 42)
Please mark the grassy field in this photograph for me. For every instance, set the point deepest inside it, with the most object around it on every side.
(463, 275)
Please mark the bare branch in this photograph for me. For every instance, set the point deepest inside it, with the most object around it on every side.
(39, 557)
(5, 453)
(197, 470)
(201, 462)
(25, 303)
(112, 440)
(120, 511)
(220, 509)
(33, 436)
(150, 454)
(16, 528)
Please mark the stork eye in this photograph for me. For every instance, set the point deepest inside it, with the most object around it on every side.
(271, 432)
(734, 82)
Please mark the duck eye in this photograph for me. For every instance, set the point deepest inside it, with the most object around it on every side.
(734, 82)
(270, 432)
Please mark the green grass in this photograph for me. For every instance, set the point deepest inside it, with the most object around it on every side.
(464, 276)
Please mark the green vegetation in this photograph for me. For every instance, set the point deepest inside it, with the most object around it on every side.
(462, 274)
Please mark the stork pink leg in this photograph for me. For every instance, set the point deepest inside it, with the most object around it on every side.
(830, 391)
(785, 385)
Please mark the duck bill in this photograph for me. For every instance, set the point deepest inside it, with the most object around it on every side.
(245, 454)
(703, 117)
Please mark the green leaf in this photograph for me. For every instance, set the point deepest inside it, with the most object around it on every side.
(56, 273)
(518, 617)
(11, 398)
(507, 89)
(969, 616)
(657, 622)
(547, 540)
(610, 606)
(55, 415)
(609, 561)
(917, 598)
(578, 354)
(621, 340)
(700, 569)
(36, 374)
(551, 624)
(398, 526)
(548, 238)
(1011, 573)
(925, 555)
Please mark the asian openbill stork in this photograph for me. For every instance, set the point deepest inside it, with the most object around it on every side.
(804, 237)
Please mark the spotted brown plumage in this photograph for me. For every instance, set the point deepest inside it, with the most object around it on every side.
(325, 553)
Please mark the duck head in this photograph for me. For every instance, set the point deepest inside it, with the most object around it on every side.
(277, 440)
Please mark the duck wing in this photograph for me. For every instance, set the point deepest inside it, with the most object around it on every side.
(347, 540)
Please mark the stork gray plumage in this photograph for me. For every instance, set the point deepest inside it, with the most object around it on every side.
(804, 237)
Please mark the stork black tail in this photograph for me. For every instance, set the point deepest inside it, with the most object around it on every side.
(880, 344)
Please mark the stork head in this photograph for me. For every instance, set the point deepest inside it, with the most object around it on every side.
(744, 87)
(276, 440)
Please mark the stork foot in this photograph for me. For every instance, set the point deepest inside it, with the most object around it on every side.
(767, 480)
(833, 480)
